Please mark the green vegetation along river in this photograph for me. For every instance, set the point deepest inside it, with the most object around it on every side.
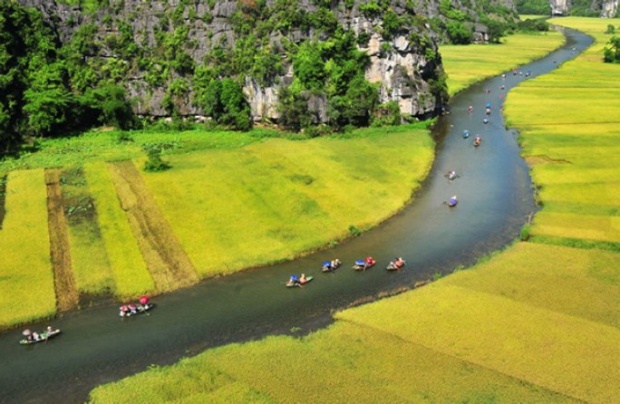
(494, 190)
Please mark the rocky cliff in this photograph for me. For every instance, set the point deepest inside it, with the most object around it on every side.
(604, 8)
(158, 50)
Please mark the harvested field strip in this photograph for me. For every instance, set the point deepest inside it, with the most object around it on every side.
(64, 283)
(131, 276)
(165, 258)
(91, 268)
(26, 277)
(327, 366)
(543, 347)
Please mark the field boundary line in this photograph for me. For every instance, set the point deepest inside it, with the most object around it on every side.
(67, 295)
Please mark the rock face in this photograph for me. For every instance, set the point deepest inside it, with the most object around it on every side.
(407, 66)
(559, 7)
(609, 8)
(606, 8)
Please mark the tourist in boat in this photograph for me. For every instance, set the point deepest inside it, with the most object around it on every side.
(369, 262)
(451, 175)
(485, 120)
(303, 279)
(399, 263)
(477, 141)
(335, 263)
(294, 280)
(465, 134)
(453, 201)
(470, 108)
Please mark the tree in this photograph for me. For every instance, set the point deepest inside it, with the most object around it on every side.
(611, 54)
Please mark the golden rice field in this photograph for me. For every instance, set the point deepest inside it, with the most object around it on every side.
(210, 197)
(26, 276)
(534, 323)
(206, 200)
(570, 132)
(466, 65)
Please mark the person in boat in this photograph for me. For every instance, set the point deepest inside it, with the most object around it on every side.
(335, 263)
(369, 262)
(36, 336)
(453, 201)
(485, 120)
(465, 133)
(294, 280)
(302, 279)
(470, 108)
(49, 330)
(132, 308)
(399, 262)
(477, 141)
(451, 175)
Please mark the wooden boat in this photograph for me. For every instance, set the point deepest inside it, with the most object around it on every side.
(393, 266)
(298, 282)
(329, 266)
(41, 337)
(139, 309)
(361, 265)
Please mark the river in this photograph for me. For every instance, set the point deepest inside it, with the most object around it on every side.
(495, 200)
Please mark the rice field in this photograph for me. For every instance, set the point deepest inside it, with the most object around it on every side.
(26, 276)
(571, 139)
(131, 276)
(209, 197)
(466, 65)
(535, 323)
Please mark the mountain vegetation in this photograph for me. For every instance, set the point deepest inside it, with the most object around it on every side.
(72, 65)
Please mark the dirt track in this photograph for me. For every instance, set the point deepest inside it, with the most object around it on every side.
(66, 292)
(167, 262)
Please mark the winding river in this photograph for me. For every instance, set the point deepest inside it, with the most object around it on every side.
(495, 200)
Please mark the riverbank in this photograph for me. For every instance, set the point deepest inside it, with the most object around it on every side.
(473, 336)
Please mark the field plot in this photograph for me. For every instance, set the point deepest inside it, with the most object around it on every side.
(569, 125)
(346, 363)
(26, 277)
(209, 197)
(466, 65)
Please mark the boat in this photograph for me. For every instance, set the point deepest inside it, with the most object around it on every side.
(329, 266)
(396, 265)
(135, 309)
(296, 281)
(362, 265)
(33, 338)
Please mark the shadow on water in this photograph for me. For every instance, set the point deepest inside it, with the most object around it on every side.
(495, 194)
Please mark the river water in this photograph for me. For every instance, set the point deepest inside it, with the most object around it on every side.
(495, 200)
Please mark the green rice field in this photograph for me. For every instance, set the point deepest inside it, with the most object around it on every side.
(537, 322)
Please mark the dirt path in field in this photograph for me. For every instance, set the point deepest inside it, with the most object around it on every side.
(66, 292)
(166, 260)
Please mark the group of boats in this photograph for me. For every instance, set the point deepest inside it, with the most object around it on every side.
(330, 266)
(143, 305)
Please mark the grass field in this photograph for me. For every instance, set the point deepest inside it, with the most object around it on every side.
(26, 277)
(466, 65)
(534, 323)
